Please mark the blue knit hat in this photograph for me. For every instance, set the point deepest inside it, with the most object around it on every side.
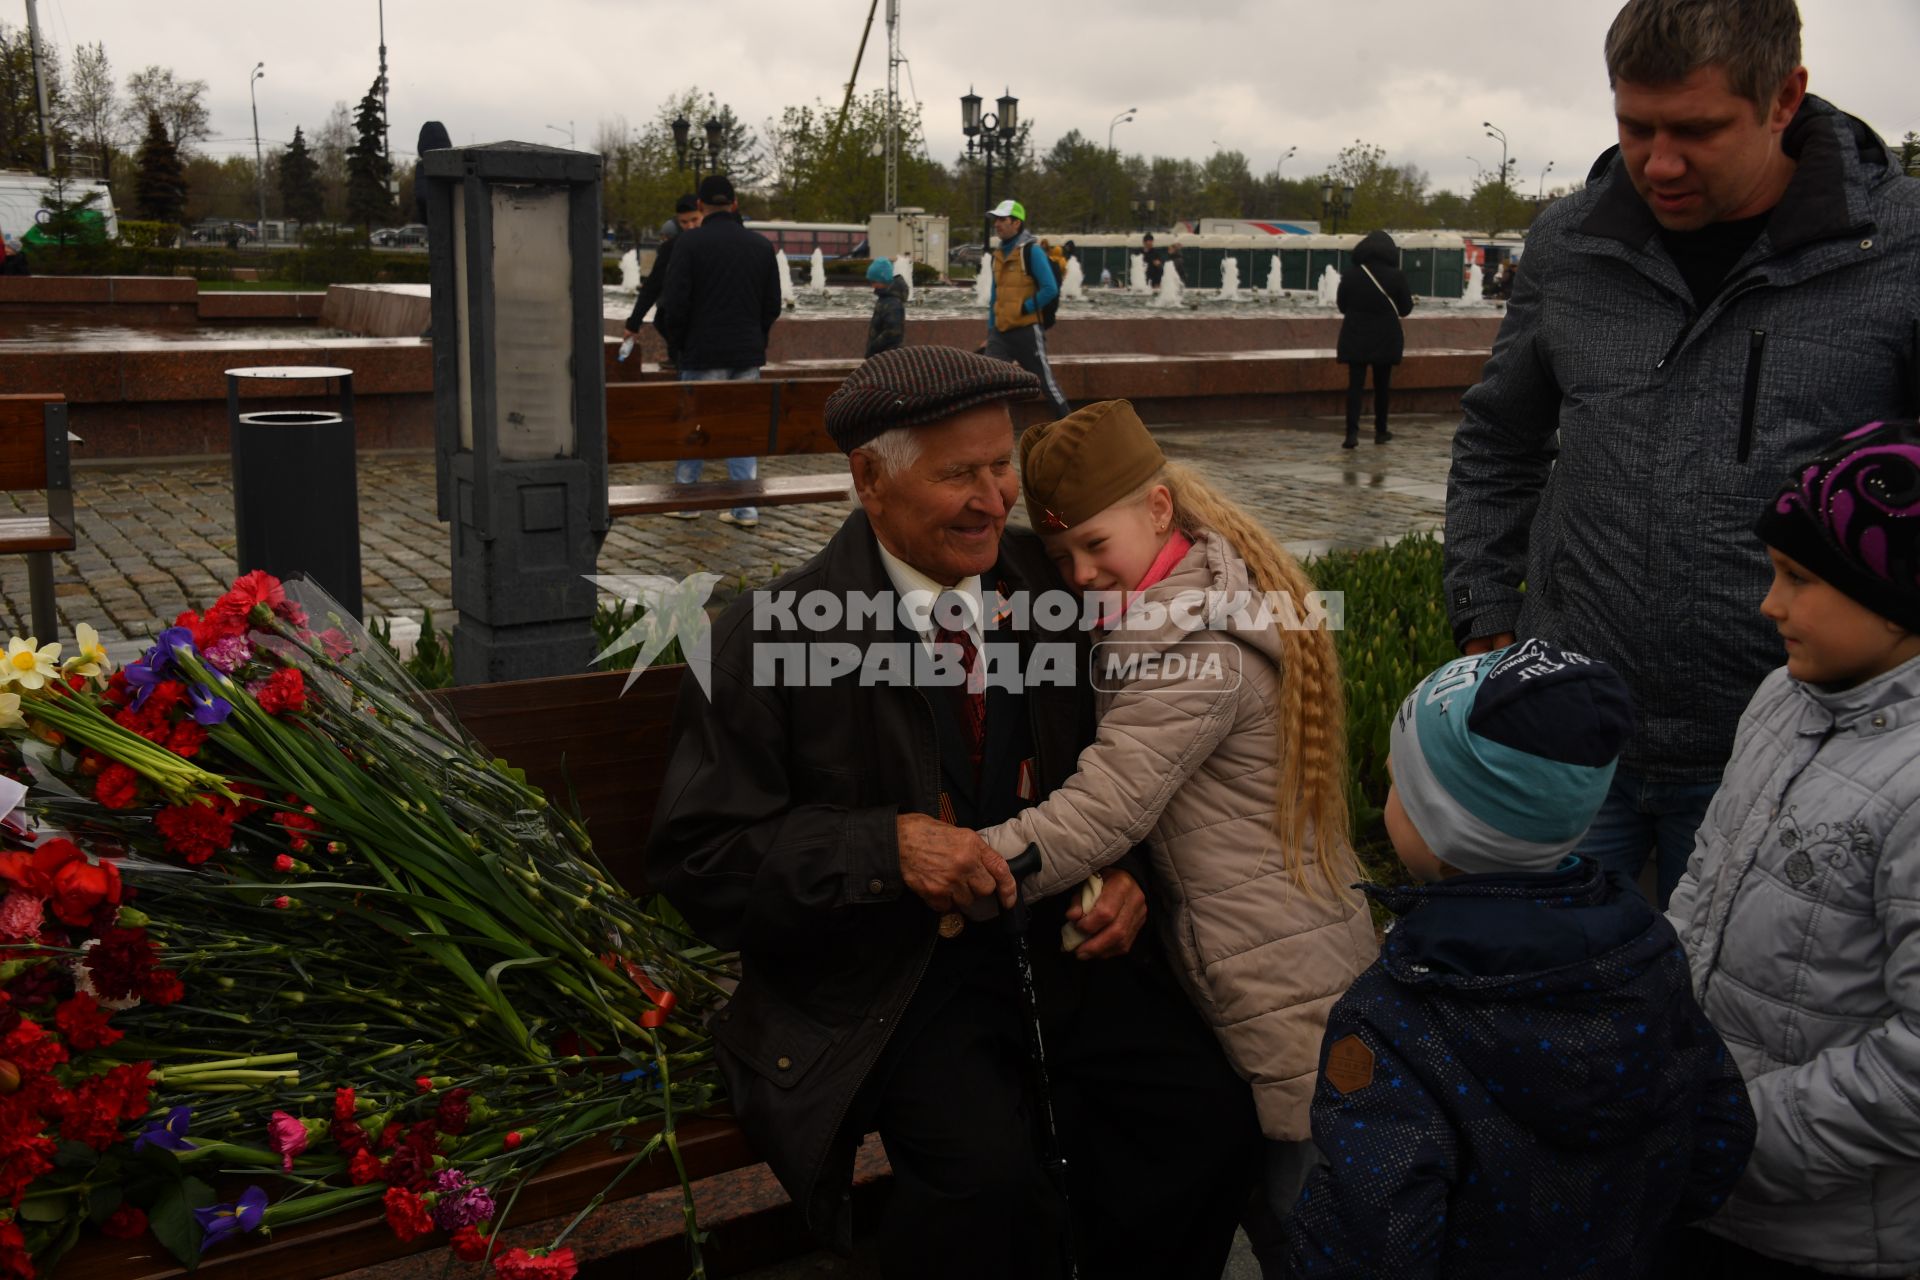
(1502, 760)
(881, 271)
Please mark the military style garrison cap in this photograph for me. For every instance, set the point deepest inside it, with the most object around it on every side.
(918, 386)
(1074, 469)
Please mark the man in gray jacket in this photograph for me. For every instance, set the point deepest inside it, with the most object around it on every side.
(1738, 283)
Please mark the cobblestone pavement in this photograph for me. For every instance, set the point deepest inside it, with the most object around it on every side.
(157, 538)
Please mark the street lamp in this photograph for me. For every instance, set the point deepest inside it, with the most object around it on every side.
(1284, 156)
(568, 131)
(1541, 192)
(1143, 210)
(989, 134)
(705, 154)
(1335, 202)
(1125, 117)
(1495, 131)
(259, 169)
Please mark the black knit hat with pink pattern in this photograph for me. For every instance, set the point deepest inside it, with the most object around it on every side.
(1852, 516)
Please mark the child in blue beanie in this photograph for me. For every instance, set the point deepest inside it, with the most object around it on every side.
(1522, 1084)
(888, 328)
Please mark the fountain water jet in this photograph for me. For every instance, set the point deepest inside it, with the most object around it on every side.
(1230, 280)
(1330, 287)
(1275, 288)
(784, 270)
(983, 283)
(817, 273)
(630, 270)
(1475, 283)
(1173, 293)
(903, 270)
(1137, 273)
(1074, 287)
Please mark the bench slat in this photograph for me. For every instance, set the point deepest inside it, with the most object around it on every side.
(23, 441)
(32, 533)
(773, 491)
(664, 422)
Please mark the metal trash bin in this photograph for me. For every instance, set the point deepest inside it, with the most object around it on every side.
(296, 492)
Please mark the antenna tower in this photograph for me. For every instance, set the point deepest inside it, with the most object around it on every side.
(893, 105)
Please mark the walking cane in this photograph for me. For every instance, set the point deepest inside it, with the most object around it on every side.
(1052, 1158)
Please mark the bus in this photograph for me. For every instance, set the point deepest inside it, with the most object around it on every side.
(800, 239)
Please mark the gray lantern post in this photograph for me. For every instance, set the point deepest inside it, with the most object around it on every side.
(519, 401)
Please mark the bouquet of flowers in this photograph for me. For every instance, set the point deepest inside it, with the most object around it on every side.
(272, 928)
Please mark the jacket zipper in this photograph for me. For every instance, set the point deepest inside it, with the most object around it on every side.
(1686, 330)
(1750, 393)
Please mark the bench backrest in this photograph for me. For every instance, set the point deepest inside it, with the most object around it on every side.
(27, 430)
(583, 743)
(667, 421)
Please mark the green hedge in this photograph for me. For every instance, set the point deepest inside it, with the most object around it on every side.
(312, 265)
(857, 268)
(1396, 633)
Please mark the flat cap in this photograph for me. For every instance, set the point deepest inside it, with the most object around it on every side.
(1073, 469)
(918, 386)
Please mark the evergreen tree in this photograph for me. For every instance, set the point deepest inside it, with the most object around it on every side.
(65, 204)
(300, 193)
(368, 170)
(160, 189)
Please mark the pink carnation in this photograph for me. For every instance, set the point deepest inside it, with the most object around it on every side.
(286, 1137)
(20, 917)
(229, 655)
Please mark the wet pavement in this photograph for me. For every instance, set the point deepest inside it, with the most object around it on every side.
(157, 538)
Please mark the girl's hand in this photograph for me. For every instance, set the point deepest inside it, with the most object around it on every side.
(1115, 920)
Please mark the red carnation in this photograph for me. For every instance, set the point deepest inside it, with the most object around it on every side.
(81, 888)
(15, 1262)
(364, 1166)
(125, 1223)
(518, 1264)
(185, 739)
(84, 1023)
(283, 693)
(407, 1214)
(198, 829)
(35, 871)
(101, 1105)
(163, 987)
(454, 1112)
(116, 786)
(28, 1047)
(122, 963)
(27, 1154)
(345, 1105)
(469, 1245)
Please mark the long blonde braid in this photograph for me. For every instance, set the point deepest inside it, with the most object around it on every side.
(1310, 714)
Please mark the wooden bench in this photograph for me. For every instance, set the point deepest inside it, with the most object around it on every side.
(34, 456)
(582, 742)
(669, 421)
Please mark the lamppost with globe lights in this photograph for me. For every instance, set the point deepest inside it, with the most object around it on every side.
(988, 134)
(259, 169)
(1495, 131)
(1336, 201)
(1143, 210)
(696, 154)
(1540, 192)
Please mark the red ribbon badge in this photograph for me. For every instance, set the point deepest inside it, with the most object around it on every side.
(661, 997)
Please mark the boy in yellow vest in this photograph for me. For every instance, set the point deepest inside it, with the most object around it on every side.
(1023, 285)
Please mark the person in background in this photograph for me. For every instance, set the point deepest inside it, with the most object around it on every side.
(1154, 260)
(686, 216)
(888, 328)
(719, 302)
(1800, 909)
(1023, 286)
(1372, 298)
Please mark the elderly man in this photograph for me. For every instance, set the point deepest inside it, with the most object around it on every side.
(824, 825)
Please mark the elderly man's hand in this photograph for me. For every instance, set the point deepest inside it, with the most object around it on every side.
(948, 867)
(1486, 644)
(1115, 920)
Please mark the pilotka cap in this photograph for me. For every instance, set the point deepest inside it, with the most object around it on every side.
(918, 386)
(1073, 469)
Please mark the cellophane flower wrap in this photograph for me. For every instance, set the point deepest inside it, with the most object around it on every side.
(279, 940)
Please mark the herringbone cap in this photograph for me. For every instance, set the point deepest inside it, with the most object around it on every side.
(918, 386)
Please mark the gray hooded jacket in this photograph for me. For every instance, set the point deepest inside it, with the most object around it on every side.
(1621, 442)
(1800, 914)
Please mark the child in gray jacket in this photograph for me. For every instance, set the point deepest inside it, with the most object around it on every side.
(1800, 911)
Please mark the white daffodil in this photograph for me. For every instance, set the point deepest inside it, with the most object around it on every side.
(90, 656)
(27, 666)
(10, 717)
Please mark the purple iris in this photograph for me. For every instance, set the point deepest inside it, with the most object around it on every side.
(224, 1220)
(208, 707)
(156, 663)
(170, 1133)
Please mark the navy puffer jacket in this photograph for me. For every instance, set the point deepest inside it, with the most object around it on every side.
(1531, 1090)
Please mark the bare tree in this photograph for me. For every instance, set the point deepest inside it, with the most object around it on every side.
(330, 147)
(93, 103)
(177, 102)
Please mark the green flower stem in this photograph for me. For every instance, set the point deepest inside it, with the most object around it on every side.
(228, 1065)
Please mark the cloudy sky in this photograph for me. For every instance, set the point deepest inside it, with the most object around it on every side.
(1415, 76)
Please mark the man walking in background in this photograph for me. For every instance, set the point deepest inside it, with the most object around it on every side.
(686, 216)
(719, 302)
(1023, 287)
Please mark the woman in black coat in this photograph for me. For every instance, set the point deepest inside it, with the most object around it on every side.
(1373, 296)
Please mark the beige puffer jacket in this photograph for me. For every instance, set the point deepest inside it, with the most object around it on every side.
(1187, 761)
